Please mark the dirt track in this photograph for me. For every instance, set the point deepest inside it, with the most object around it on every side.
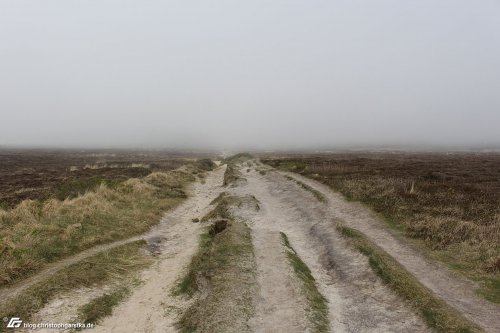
(358, 301)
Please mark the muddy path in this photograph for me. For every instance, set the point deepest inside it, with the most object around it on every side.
(449, 286)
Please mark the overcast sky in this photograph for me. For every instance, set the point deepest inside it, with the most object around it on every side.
(262, 74)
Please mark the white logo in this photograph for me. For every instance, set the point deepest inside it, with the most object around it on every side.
(14, 322)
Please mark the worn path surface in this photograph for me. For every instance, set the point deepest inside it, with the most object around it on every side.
(358, 301)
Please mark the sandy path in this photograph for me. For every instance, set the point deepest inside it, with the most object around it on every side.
(455, 290)
(151, 308)
(358, 302)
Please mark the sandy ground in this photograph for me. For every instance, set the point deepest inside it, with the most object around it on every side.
(358, 301)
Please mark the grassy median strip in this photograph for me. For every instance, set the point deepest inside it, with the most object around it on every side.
(95, 271)
(232, 174)
(318, 195)
(436, 312)
(220, 278)
(317, 310)
(102, 306)
(222, 207)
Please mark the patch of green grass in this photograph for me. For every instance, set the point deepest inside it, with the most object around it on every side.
(223, 270)
(490, 289)
(293, 166)
(219, 198)
(436, 312)
(223, 204)
(221, 210)
(241, 157)
(317, 303)
(488, 279)
(188, 284)
(286, 242)
(205, 164)
(231, 175)
(91, 272)
(318, 195)
(102, 306)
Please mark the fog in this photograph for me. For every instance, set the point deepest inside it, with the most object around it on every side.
(253, 74)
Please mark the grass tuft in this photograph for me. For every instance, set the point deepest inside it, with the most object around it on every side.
(232, 174)
(223, 271)
(102, 306)
(222, 209)
(241, 157)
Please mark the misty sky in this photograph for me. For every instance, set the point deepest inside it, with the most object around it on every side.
(262, 74)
